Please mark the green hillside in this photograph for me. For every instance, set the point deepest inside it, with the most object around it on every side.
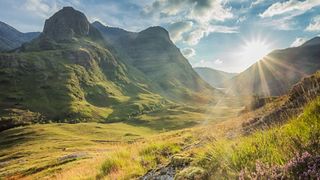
(286, 148)
(70, 74)
(153, 53)
(87, 101)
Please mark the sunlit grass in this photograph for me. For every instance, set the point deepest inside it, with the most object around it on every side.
(273, 147)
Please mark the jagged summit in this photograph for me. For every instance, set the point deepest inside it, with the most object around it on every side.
(66, 24)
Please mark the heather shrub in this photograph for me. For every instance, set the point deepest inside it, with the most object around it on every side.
(291, 150)
(302, 166)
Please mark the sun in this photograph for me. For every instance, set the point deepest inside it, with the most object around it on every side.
(255, 50)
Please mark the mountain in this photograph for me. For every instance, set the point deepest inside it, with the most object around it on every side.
(278, 71)
(10, 38)
(214, 77)
(71, 74)
(153, 53)
(312, 42)
(113, 35)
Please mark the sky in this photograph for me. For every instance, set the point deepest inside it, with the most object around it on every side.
(228, 35)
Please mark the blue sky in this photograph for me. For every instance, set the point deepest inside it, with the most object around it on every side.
(210, 33)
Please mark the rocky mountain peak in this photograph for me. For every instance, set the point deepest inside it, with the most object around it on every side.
(66, 24)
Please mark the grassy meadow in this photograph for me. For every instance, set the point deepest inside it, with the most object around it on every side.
(102, 150)
(210, 147)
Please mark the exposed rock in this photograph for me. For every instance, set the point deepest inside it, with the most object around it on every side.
(169, 171)
(73, 156)
(81, 57)
(66, 24)
(300, 94)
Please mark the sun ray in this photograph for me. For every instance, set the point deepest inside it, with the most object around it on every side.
(264, 85)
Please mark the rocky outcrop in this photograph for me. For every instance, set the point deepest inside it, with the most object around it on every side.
(168, 171)
(300, 94)
(66, 24)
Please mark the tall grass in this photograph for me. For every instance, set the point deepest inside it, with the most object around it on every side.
(227, 158)
(137, 159)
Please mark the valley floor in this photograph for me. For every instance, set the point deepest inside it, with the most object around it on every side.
(212, 149)
(64, 150)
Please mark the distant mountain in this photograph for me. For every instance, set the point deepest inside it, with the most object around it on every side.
(10, 38)
(279, 70)
(312, 42)
(71, 74)
(153, 53)
(214, 77)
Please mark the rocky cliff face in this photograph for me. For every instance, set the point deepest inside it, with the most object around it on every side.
(66, 24)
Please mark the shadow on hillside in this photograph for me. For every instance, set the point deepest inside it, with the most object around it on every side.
(15, 137)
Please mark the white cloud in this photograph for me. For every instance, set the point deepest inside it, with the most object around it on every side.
(298, 42)
(198, 10)
(40, 7)
(218, 61)
(203, 13)
(205, 63)
(241, 19)
(314, 24)
(256, 2)
(195, 36)
(291, 7)
(283, 23)
(188, 52)
(177, 29)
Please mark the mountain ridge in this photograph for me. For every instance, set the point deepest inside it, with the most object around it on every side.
(278, 71)
(152, 52)
(11, 38)
(215, 78)
(78, 77)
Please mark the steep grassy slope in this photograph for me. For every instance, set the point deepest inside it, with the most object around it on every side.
(81, 80)
(278, 71)
(153, 53)
(11, 38)
(214, 77)
(69, 78)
